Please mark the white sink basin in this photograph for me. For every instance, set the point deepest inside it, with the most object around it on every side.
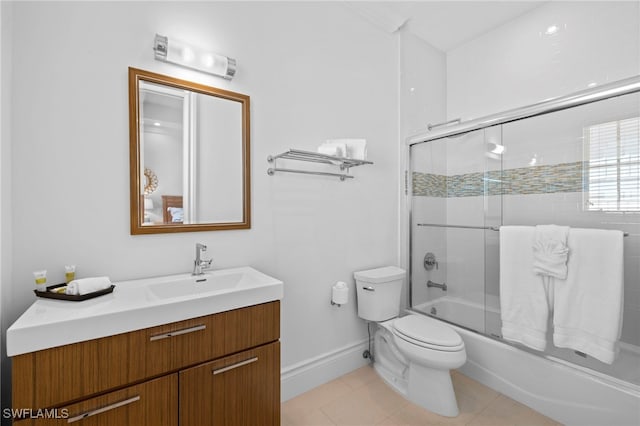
(216, 282)
(139, 304)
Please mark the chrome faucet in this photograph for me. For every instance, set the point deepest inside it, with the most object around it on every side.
(200, 264)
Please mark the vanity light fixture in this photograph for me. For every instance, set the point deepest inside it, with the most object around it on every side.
(179, 53)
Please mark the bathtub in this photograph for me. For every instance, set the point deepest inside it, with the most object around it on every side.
(569, 392)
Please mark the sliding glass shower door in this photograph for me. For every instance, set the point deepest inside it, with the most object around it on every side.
(455, 210)
(577, 167)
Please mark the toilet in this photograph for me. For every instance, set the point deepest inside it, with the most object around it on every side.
(414, 353)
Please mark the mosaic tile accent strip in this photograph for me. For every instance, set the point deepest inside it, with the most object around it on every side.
(546, 179)
(429, 185)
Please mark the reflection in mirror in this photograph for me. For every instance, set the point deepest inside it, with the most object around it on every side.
(189, 156)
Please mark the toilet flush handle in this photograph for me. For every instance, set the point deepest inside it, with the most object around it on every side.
(369, 288)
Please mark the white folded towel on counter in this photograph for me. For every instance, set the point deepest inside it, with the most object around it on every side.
(87, 285)
(550, 251)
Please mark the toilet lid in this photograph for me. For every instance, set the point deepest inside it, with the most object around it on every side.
(428, 332)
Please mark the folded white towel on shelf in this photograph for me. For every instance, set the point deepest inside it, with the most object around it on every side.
(87, 285)
(588, 304)
(335, 148)
(353, 148)
(328, 150)
(550, 251)
(524, 303)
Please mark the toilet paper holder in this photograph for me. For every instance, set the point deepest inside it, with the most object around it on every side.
(339, 294)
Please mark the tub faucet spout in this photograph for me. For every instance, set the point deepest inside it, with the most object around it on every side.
(442, 286)
(200, 264)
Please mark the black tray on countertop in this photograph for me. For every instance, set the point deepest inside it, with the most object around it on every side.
(75, 298)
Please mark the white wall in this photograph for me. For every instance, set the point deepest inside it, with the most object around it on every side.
(314, 71)
(422, 101)
(5, 188)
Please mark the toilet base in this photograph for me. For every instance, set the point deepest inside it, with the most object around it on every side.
(432, 389)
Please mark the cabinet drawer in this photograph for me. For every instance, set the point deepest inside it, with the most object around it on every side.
(69, 373)
(152, 403)
(194, 341)
(242, 389)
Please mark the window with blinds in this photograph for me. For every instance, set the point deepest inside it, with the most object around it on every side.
(612, 166)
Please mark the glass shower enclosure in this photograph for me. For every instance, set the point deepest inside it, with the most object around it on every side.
(577, 166)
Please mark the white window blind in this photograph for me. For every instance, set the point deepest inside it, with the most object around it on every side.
(613, 166)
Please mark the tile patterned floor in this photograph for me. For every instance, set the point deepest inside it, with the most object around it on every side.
(361, 398)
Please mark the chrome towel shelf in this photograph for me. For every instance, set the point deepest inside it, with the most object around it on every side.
(315, 157)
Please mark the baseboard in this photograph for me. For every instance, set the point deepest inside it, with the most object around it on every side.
(313, 372)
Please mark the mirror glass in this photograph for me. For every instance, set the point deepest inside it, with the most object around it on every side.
(189, 151)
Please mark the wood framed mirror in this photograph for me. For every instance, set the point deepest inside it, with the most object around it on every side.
(189, 156)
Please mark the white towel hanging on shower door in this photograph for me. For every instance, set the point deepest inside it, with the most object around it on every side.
(588, 304)
(524, 305)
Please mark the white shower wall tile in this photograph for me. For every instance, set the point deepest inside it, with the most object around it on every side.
(429, 210)
(630, 332)
(492, 263)
(517, 64)
(469, 211)
(558, 138)
(465, 262)
(427, 240)
(465, 154)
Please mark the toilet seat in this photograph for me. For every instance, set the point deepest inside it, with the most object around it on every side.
(427, 333)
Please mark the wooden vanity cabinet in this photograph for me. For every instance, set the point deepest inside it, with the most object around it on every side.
(92, 375)
(242, 389)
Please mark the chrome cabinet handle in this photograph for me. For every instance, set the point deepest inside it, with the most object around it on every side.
(369, 288)
(236, 365)
(103, 409)
(177, 332)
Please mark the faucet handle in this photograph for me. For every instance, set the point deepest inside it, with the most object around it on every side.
(430, 261)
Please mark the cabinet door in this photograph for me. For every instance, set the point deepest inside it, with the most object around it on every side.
(152, 403)
(242, 389)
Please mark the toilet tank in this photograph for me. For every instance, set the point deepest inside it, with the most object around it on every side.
(378, 291)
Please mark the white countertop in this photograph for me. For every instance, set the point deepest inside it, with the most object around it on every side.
(138, 304)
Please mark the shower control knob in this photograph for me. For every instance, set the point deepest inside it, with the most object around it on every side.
(430, 261)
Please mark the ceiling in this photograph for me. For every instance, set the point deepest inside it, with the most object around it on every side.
(443, 24)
